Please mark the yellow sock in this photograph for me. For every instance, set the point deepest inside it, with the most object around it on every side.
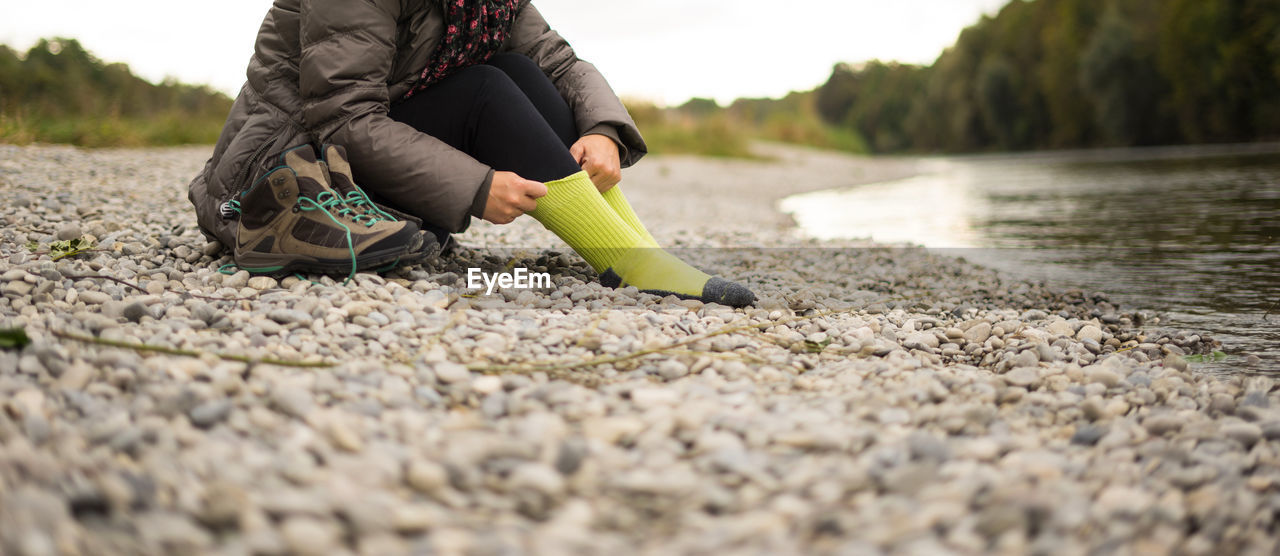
(576, 212)
(618, 202)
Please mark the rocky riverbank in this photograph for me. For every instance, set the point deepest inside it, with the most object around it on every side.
(875, 400)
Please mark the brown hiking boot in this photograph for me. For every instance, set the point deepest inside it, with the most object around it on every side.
(291, 220)
(341, 178)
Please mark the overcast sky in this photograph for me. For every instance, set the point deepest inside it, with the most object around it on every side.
(662, 50)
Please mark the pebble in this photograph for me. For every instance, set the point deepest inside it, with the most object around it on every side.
(1088, 435)
(68, 231)
(76, 376)
(92, 298)
(1101, 375)
(486, 385)
(1028, 358)
(1061, 328)
(1160, 425)
(426, 476)
(1123, 501)
(1247, 434)
(672, 369)
(289, 316)
(1090, 332)
(135, 311)
(921, 340)
(238, 280)
(292, 401)
(223, 504)
(978, 333)
(645, 398)
(262, 283)
(210, 413)
(450, 373)
(1026, 377)
(414, 518)
(308, 536)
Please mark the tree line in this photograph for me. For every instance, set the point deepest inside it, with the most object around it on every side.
(1073, 74)
(59, 92)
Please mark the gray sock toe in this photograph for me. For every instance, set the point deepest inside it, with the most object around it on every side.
(724, 292)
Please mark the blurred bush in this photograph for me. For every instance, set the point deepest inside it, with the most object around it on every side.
(58, 92)
(702, 127)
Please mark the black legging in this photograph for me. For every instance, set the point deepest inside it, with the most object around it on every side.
(504, 113)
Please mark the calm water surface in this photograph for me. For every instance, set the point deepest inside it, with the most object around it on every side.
(1190, 233)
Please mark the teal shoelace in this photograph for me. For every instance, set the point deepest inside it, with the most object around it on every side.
(359, 200)
(327, 202)
(332, 204)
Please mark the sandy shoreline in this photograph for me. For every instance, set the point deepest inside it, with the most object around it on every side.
(874, 401)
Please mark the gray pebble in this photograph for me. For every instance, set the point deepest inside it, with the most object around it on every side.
(1247, 434)
(135, 311)
(1027, 358)
(68, 231)
(1160, 425)
(1026, 377)
(210, 413)
(291, 400)
(1088, 435)
(289, 316)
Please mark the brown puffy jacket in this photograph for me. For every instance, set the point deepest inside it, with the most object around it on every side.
(327, 71)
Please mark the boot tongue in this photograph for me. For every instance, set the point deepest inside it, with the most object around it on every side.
(339, 169)
(312, 178)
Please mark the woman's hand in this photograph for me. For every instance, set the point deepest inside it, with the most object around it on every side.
(510, 196)
(598, 156)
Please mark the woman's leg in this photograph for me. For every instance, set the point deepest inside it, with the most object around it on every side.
(544, 96)
(541, 92)
(481, 111)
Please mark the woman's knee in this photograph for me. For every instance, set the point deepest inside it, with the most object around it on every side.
(519, 68)
(510, 62)
(487, 81)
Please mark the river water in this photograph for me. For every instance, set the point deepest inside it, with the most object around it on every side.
(1192, 233)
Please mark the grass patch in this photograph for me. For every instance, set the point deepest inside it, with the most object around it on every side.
(111, 131)
(728, 133)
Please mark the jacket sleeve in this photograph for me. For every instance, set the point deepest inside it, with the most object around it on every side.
(347, 50)
(589, 96)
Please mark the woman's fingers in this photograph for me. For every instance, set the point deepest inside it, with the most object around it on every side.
(536, 189)
(603, 175)
(510, 196)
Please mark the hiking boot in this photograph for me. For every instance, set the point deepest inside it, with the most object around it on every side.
(342, 179)
(292, 220)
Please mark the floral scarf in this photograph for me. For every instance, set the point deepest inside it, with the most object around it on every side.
(474, 30)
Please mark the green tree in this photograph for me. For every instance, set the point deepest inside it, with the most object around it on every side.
(1122, 86)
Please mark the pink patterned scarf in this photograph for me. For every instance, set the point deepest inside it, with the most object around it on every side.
(474, 30)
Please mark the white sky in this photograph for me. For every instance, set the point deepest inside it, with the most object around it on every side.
(662, 50)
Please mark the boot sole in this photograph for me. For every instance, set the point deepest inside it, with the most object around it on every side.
(283, 263)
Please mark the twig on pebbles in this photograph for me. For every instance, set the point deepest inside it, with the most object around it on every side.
(139, 288)
(188, 353)
(551, 366)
